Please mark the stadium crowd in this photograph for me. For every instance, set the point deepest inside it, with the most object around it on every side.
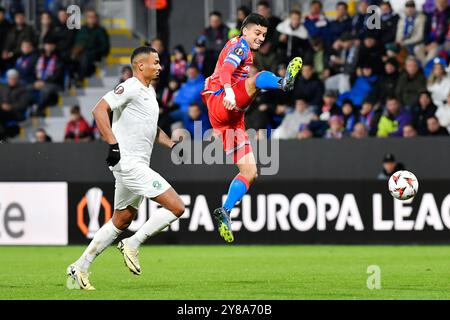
(37, 63)
(359, 78)
(357, 81)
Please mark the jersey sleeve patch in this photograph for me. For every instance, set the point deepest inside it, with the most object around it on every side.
(119, 90)
(239, 51)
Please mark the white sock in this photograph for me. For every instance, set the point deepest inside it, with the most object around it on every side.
(102, 239)
(160, 219)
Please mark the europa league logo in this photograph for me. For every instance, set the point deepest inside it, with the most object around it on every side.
(94, 201)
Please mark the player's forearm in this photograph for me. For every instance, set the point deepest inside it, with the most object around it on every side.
(101, 117)
(225, 74)
(163, 139)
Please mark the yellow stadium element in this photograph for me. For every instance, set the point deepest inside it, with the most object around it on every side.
(117, 60)
(121, 22)
(124, 32)
(122, 50)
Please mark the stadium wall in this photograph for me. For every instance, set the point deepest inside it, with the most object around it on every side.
(325, 192)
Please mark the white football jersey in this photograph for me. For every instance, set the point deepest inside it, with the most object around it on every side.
(135, 120)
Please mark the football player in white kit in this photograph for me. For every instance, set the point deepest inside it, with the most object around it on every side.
(131, 137)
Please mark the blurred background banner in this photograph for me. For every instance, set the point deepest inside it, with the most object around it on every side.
(33, 213)
(302, 212)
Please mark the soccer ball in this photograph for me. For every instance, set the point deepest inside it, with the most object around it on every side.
(403, 185)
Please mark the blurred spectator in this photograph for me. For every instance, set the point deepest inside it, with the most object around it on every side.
(438, 82)
(316, 23)
(195, 121)
(411, 27)
(343, 22)
(14, 98)
(169, 94)
(26, 63)
(263, 8)
(77, 129)
(397, 52)
(242, 12)
(342, 63)
(359, 20)
(309, 87)
(422, 111)
(16, 35)
(336, 128)
(266, 57)
(434, 128)
(41, 136)
(46, 27)
(125, 74)
(436, 29)
(360, 131)
(369, 116)
(65, 36)
(393, 120)
(291, 123)
(390, 166)
(410, 83)
(430, 5)
(318, 56)
(178, 65)
(293, 36)
(371, 53)
(91, 45)
(329, 107)
(349, 116)
(387, 83)
(5, 26)
(204, 60)
(190, 91)
(305, 133)
(49, 76)
(164, 61)
(216, 34)
(409, 131)
(389, 21)
(361, 89)
(443, 113)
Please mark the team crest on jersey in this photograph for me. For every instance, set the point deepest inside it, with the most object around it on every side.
(157, 185)
(119, 90)
(239, 51)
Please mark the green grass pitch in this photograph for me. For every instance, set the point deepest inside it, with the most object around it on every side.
(233, 272)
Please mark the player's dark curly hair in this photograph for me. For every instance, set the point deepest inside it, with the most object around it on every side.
(255, 18)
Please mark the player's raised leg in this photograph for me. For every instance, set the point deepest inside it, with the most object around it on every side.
(172, 209)
(105, 236)
(267, 80)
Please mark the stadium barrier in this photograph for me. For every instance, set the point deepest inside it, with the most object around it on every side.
(325, 192)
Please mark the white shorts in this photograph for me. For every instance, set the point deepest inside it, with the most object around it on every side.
(135, 184)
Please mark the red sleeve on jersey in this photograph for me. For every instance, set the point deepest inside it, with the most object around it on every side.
(226, 72)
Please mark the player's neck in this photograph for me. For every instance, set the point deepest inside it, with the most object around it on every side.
(144, 81)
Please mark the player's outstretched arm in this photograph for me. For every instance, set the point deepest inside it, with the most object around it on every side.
(101, 115)
(163, 139)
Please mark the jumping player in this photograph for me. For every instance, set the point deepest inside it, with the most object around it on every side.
(228, 93)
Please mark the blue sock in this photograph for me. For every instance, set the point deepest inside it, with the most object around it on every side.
(238, 188)
(267, 80)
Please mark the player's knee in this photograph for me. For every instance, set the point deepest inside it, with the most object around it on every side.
(179, 209)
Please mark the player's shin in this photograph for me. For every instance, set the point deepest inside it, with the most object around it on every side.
(102, 239)
(238, 188)
(157, 222)
(267, 80)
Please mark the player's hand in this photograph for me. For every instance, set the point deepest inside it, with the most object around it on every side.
(113, 155)
(229, 101)
(178, 151)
